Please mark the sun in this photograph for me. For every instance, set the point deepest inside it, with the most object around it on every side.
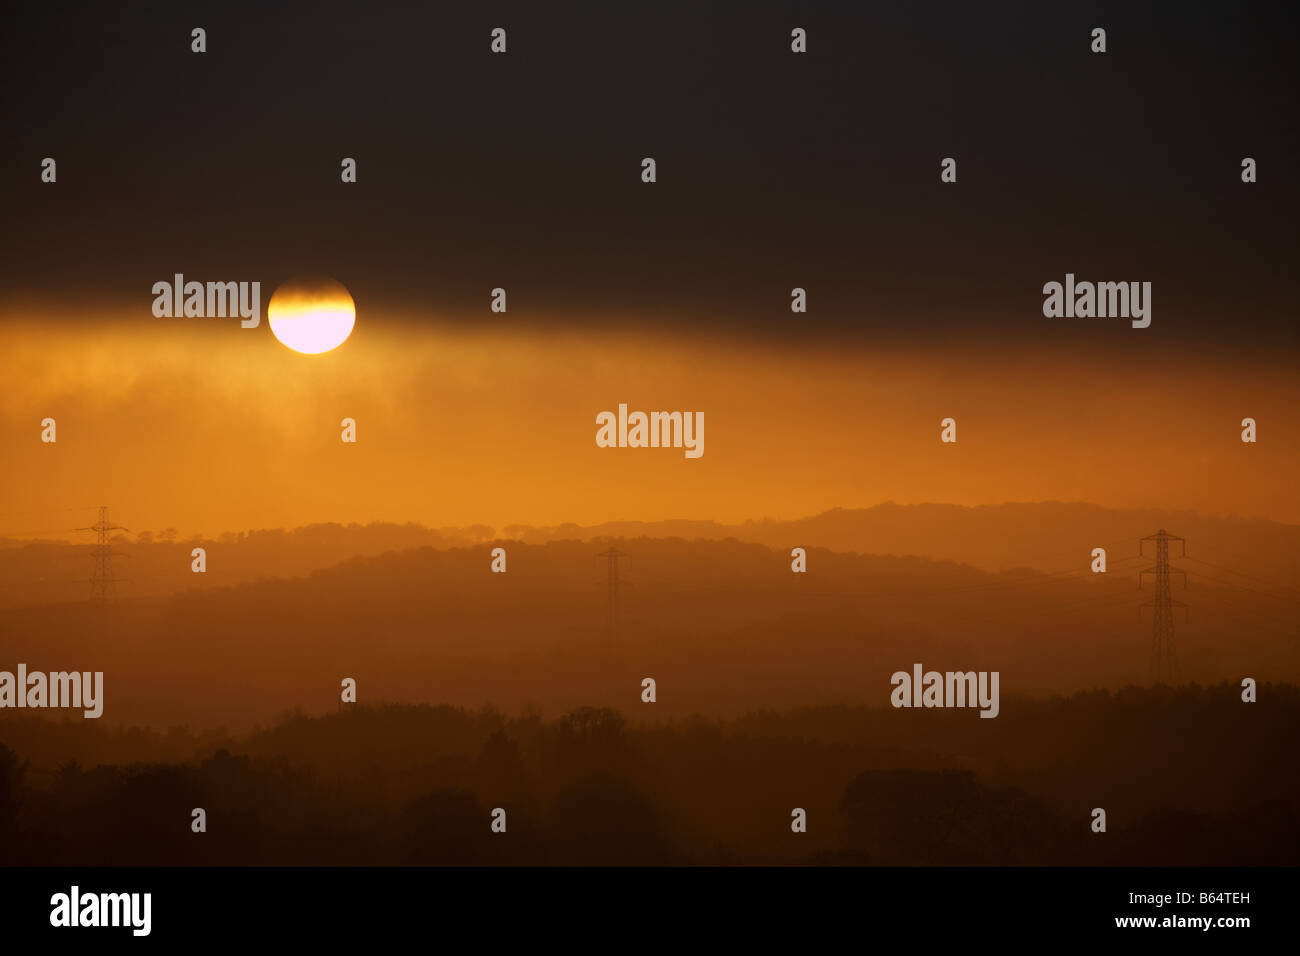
(311, 315)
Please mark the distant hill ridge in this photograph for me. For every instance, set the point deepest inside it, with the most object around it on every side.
(1043, 536)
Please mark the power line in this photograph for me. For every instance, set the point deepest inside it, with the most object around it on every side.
(1235, 615)
(1260, 615)
(36, 534)
(47, 511)
(40, 511)
(1240, 574)
(1224, 584)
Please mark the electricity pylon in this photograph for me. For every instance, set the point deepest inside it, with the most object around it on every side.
(1164, 663)
(103, 584)
(612, 585)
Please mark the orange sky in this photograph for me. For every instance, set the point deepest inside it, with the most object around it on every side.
(205, 427)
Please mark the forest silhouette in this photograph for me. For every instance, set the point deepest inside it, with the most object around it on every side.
(1187, 776)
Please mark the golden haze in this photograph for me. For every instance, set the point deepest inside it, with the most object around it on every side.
(206, 427)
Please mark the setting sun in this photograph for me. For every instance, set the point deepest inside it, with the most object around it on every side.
(311, 315)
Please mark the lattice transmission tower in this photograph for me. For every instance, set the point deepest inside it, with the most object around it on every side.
(103, 582)
(612, 583)
(1164, 660)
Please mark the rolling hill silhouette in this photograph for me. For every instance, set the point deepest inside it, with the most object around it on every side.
(1046, 536)
(723, 626)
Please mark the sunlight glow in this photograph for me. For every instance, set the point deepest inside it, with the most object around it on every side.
(311, 316)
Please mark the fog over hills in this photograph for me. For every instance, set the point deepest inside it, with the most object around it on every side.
(724, 627)
(1047, 536)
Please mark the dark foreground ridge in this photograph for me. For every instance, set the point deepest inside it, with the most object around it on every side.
(1186, 776)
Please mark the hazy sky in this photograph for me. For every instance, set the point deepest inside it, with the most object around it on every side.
(775, 170)
(209, 427)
